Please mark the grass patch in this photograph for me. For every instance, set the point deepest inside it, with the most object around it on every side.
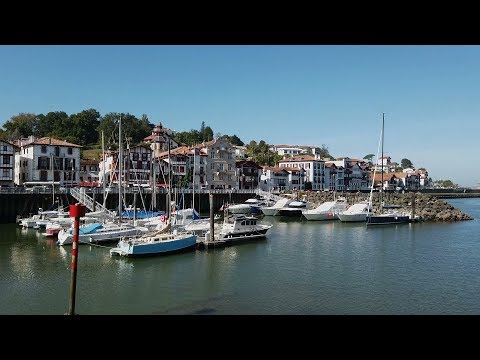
(92, 154)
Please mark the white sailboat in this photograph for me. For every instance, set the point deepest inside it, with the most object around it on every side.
(392, 216)
(106, 231)
(161, 242)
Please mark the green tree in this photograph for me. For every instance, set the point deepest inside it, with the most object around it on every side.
(25, 123)
(108, 124)
(234, 140)
(406, 163)
(324, 152)
(189, 138)
(207, 134)
(84, 128)
(308, 185)
(261, 153)
(49, 124)
(369, 157)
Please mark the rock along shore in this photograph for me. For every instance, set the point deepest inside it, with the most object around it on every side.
(426, 208)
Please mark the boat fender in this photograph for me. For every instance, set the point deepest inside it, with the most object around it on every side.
(162, 218)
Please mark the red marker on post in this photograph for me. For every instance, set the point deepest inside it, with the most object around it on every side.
(76, 211)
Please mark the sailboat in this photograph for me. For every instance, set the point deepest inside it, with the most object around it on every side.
(392, 216)
(160, 242)
(106, 231)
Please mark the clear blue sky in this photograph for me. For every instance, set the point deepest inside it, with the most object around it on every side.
(299, 95)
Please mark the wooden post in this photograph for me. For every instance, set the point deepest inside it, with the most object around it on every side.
(134, 206)
(94, 201)
(212, 217)
(76, 211)
(413, 206)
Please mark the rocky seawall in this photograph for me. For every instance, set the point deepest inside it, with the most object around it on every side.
(422, 206)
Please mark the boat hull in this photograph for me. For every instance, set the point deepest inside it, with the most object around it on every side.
(289, 212)
(388, 220)
(320, 216)
(352, 217)
(269, 211)
(65, 238)
(155, 247)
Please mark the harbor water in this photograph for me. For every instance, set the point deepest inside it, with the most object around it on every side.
(301, 267)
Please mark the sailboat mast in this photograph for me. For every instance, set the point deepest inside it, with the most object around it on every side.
(370, 201)
(381, 195)
(193, 180)
(169, 194)
(154, 184)
(120, 160)
(103, 171)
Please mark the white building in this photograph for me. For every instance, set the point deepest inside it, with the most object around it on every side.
(313, 166)
(274, 178)
(240, 151)
(220, 164)
(47, 160)
(89, 169)
(293, 150)
(136, 166)
(356, 173)
(386, 164)
(7, 162)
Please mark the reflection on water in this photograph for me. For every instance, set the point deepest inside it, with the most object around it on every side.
(303, 267)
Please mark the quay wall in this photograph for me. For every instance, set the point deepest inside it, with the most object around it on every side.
(25, 204)
(20, 203)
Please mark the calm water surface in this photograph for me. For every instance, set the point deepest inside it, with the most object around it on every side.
(301, 268)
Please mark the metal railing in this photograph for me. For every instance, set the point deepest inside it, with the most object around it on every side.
(81, 196)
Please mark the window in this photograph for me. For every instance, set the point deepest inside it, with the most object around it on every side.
(6, 173)
(70, 151)
(43, 163)
(212, 166)
(57, 164)
(212, 154)
(44, 149)
(6, 159)
(57, 151)
(135, 156)
(229, 166)
(69, 164)
(4, 147)
(43, 175)
(144, 157)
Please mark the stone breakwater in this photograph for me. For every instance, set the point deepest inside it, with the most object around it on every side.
(426, 208)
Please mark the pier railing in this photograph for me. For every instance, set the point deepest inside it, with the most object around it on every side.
(80, 195)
